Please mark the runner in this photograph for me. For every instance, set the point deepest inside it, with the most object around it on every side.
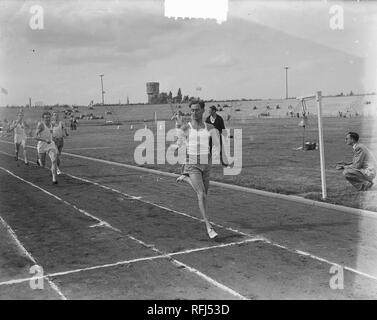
(72, 123)
(59, 131)
(20, 128)
(46, 145)
(196, 170)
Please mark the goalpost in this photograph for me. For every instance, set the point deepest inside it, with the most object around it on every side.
(318, 98)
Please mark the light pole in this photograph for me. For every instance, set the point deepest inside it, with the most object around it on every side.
(197, 91)
(102, 92)
(286, 82)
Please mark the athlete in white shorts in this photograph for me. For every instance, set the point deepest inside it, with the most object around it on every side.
(196, 170)
(59, 131)
(20, 128)
(46, 145)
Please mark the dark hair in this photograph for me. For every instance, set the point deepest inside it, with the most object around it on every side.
(199, 102)
(46, 113)
(353, 135)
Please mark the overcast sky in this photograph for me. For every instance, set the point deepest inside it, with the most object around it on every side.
(131, 43)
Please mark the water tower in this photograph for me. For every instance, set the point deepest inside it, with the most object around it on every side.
(153, 90)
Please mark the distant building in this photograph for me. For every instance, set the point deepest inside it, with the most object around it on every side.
(157, 97)
(153, 91)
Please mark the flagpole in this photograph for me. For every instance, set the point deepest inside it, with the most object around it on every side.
(3, 91)
(198, 88)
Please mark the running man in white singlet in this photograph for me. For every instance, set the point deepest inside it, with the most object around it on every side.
(196, 170)
(59, 131)
(20, 128)
(46, 145)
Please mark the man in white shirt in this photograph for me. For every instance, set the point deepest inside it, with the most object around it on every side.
(196, 171)
(362, 170)
(20, 128)
(59, 131)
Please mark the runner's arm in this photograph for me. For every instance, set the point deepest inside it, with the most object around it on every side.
(181, 128)
(181, 133)
(12, 126)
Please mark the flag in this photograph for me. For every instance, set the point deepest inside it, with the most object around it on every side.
(4, 91)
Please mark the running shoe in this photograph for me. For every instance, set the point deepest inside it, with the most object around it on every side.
(181, 178)
(58, 172)
(212, 233)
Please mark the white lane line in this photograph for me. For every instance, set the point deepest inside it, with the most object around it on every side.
(335, 264)
(299, 252)
(136, 198)
(103, 223)
(152, 247)
(108, 265)
(193, 270)
(90, 148)
(27, 254)
(210, 280)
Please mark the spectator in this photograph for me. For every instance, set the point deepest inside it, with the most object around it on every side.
(218, 122)
(362, 170)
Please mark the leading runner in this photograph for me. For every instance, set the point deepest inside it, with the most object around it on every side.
(196, 171)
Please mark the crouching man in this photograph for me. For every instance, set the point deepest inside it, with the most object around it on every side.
(362, 170)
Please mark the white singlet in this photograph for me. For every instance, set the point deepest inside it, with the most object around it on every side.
(20, 134)
(46, 134)
(57, 130)
(198, 139)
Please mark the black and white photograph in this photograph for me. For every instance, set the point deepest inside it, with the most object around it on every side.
(197, 150)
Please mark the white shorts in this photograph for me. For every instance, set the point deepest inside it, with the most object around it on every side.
(50, 148)
(20, 139)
